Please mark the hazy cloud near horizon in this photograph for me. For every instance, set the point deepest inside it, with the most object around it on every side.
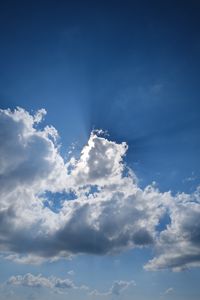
(60, 285)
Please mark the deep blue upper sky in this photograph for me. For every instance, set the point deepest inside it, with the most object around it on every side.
(128, 67)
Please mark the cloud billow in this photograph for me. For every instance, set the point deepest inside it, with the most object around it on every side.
(116, 216)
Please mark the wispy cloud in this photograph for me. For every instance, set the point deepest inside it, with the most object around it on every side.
(71, 272)
(168, 291)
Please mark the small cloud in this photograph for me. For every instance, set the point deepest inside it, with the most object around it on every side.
(39, 115)
(71, 272)
(190, 178)
(168, 291)
(39, 281)
(120, 286)
(116, 289)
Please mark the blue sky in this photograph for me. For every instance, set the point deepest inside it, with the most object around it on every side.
(131, 69)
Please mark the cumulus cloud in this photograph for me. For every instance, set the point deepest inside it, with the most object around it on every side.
(116, 289)
(29, 280)
(178, 247)
(28, 156)
(30, 164)
(105, 211)
(58, 284)
(39, 281)
(100, 163)
(119, 286)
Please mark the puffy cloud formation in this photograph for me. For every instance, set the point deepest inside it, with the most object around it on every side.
(55, 283)
(107, 213)
(29, 280)
(29, 157)
(39, 281)
(100, 162)
(119, 286)
(116, 289)
(179, 245)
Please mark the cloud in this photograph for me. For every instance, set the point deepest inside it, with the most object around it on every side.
(168, 291)
(104, 211)
(120, 286)
(28, 156)
(30, 164)
(116, 289)
(100, 162)
(29, 280)
(178, 246)
(39, 281)
(119, 215)
(71, 272)
(58, 285)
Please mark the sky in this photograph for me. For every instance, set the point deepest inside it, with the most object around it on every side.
(99, 150)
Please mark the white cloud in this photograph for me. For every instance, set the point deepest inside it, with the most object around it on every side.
(39, 281)
(71, 272)
(110, 212)
(120, 286)
(100, 163)
(28, 156)
(29, 280)
(178, 245)
(116, 289)
(58, 284)
(168, 291)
